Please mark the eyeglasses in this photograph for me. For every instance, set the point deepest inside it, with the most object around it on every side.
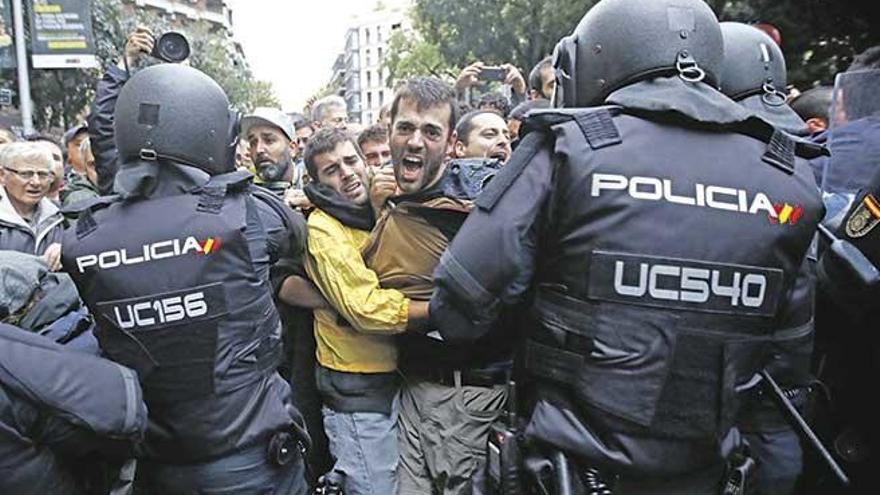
(42, 175)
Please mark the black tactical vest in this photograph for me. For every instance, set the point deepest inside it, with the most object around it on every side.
(668, 265)
(173, 285)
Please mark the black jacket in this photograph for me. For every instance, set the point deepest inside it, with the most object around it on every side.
(100, 121)
(228, 340)
(56, 406)
(619, 226)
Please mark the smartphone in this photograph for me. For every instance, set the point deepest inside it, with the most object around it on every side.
(493, 74)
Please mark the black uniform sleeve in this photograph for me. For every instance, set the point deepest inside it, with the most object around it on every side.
(790, 358)
(100, 122)
(286, 231)
(73, 442)
(491, 261)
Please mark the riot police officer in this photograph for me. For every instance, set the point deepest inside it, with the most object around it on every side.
(754, 75)
(657, 239)
(175, 268)
(847, 348)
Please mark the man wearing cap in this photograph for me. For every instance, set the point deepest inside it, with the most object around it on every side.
(71, 141)
(272, 142)
(82, 186)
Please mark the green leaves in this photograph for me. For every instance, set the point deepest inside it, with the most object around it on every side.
(410, 55)
(450, 34)
(819, 37)
(521, 32)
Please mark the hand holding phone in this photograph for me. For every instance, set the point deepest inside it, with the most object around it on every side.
(493, 74)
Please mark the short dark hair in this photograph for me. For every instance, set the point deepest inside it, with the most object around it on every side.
(427, 92)
(324, 141)
(813, 103)
(535, 81)
(376, 133)
(299, 120)
(302, 124)
(519, 112)
(495, 101)
(466, 124)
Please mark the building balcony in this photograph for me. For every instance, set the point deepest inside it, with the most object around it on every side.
(213, 11)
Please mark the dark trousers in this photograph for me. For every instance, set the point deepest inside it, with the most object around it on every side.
(247, 472)
(299, 350)
(780, 461)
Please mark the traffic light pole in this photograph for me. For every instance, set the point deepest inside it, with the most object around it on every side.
(24, 83)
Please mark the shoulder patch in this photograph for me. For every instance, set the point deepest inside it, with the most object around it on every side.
(780, 152)
(211, 198)
(86, 224)
(864, 217)
(598, 128)
(83, 212)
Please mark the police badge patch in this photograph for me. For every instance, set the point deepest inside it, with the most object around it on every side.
(864, 218)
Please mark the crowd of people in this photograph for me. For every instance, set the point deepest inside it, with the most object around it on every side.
(603, 264)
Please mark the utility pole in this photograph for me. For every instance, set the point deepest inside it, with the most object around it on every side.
(24, 83)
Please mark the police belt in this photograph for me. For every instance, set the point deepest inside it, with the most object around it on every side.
(650, 369)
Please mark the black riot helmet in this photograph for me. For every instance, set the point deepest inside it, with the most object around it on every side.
(176, 113)
(753, 64)
(620, 42)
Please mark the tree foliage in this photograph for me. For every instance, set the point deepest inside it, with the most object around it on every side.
(521, 32)
(820, 37)
(62, 96)
(410, 55)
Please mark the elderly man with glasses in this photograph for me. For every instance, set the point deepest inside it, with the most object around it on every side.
(29, 222)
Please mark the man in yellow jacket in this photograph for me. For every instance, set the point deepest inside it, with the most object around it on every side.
(356, 352)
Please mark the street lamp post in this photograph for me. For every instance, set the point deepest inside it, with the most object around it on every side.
(24, 83)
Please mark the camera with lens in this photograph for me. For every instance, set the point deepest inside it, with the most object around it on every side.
(171, 47)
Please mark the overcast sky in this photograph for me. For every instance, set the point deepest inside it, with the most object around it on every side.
(293, 43)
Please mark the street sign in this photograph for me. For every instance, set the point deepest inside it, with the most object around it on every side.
(61, 34)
